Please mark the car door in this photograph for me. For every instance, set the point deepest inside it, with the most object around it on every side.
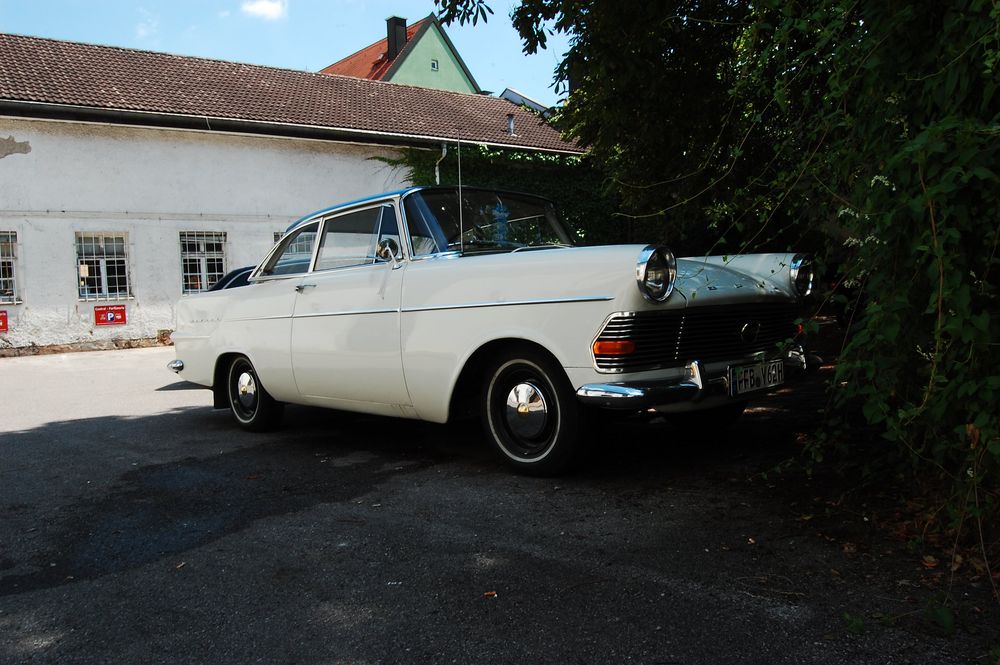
(345, 326)
(259, 319)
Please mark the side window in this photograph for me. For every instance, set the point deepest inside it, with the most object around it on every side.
(294, 254)
(349, 240)
(425, 235)
(389, 228)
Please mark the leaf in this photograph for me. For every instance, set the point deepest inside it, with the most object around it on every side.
(942, 617)
(973, 433)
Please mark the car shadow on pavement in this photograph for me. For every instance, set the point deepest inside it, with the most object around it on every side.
(93, 497)
(88, 498)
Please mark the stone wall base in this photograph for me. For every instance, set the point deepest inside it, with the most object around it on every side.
(163, 339)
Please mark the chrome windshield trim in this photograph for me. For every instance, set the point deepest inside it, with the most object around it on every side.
(509, 303)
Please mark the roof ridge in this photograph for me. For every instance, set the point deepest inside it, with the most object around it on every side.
(234, 62)
(231, 62)
(130, 49)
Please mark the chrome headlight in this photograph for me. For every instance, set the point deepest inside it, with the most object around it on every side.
(655, 272)
(800, 272)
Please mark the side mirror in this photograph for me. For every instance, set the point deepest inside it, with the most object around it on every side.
(386, 251)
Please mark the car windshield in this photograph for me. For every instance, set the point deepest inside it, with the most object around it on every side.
(490, 221)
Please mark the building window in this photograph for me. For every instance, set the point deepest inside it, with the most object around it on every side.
(8, 277)
(434, 65)
(102, 266)
(203, 259)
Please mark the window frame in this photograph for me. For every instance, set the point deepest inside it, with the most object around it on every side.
(11, 241)
(373, 241)
(258, 274)
(320, 218)
(102, 260)
(202, 255)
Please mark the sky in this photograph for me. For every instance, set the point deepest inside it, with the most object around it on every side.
(295, 34)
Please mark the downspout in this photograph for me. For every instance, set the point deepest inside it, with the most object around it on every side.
(437, 164)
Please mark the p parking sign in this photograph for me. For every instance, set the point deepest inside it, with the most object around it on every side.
(109, 315)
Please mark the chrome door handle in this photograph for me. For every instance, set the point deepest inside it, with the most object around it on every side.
(302, 287)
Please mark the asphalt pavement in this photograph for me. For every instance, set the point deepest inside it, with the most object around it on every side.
(139, 525)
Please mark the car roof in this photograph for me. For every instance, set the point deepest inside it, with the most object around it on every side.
(395, 193)
(347, 204)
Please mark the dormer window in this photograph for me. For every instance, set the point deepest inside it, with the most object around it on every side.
(434, 65)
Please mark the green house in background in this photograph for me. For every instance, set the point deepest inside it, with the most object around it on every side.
(420, 54)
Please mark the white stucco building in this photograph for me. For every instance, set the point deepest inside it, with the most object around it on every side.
(128, 178)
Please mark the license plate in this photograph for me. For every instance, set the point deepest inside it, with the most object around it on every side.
(759, 376)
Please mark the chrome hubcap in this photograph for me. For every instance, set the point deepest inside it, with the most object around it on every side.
(246, 389)
(526, 411)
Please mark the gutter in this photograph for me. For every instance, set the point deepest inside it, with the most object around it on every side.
(48, 111)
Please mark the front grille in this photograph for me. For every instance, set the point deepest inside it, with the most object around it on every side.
(676, 337)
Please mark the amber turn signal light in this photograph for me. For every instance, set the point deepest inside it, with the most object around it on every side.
(622, 347)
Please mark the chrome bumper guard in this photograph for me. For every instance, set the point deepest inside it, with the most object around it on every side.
(695, 385)
(176, 366)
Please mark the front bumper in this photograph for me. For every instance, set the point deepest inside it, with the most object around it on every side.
(694, 386)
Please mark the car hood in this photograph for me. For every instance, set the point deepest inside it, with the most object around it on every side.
(706, 279)
(603, 272)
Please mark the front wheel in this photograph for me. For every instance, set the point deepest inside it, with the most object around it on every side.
(251, 406)
(530, 413)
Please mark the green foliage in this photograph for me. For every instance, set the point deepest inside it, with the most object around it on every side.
(894, 112)
(855, 623)
(869, 131)
(650, 96)
(939, 617)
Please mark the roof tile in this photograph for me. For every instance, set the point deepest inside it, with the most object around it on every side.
(48, 71)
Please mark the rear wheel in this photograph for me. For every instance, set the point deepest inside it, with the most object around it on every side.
(252, 407)
(530, 413)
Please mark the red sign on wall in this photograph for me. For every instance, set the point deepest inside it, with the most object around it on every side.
(3, 320)
(109, 315)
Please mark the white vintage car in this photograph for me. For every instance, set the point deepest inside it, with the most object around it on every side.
(415, 305)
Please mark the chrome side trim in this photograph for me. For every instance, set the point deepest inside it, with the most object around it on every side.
(509, 303)
(262, 318)
(176, 365)
(345, 313)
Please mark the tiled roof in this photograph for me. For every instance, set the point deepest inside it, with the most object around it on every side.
(105, 78)
(371, 61)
